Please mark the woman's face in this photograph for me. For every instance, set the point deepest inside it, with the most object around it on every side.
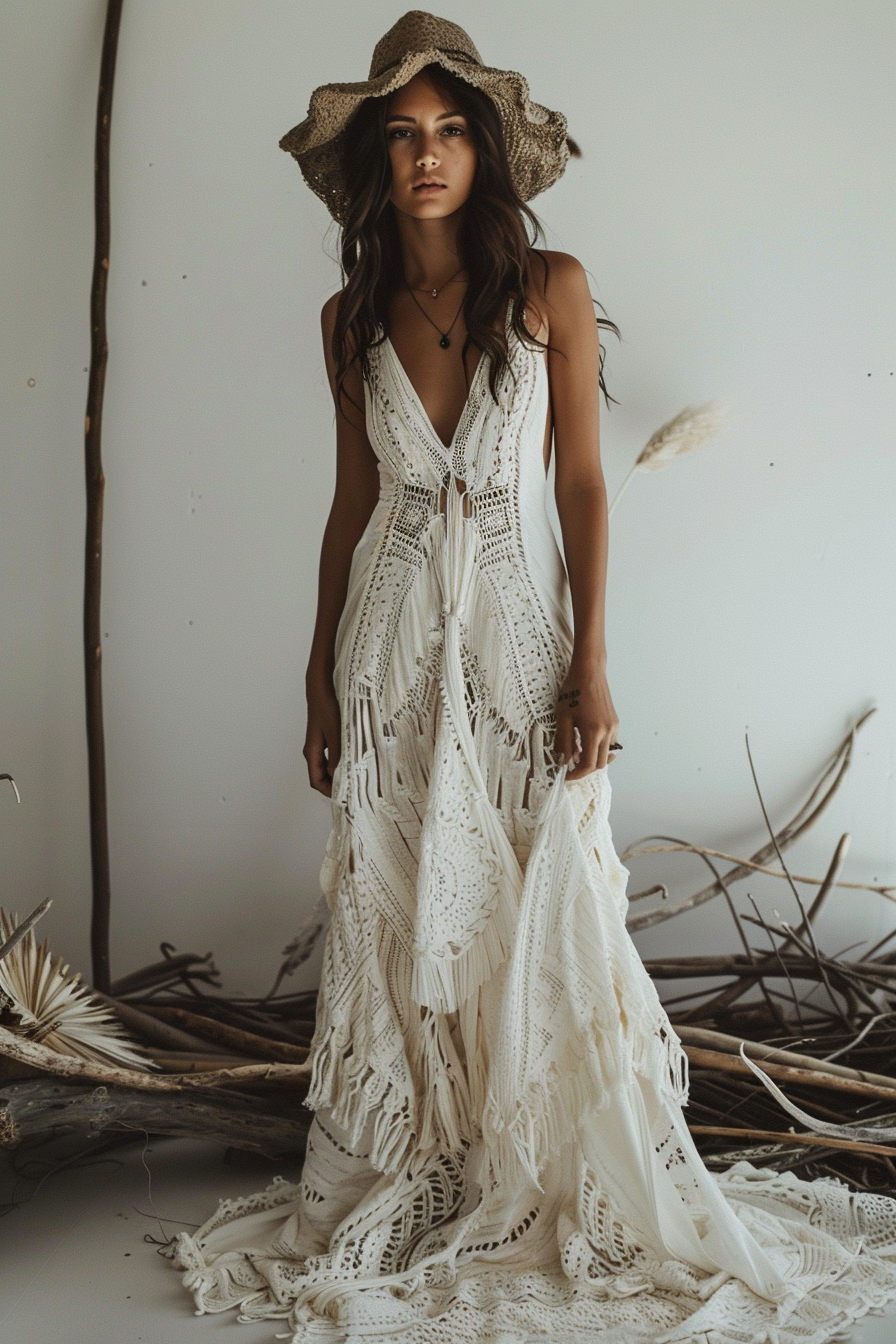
(431, 150)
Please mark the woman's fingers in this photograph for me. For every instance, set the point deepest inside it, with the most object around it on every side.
(594, 752)
(321, 762)
(566, 744)
(318, 774)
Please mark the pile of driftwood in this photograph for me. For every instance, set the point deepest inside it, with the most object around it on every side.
(821, 1027)
(207, 1066)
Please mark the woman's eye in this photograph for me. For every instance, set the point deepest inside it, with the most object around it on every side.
(404, 132)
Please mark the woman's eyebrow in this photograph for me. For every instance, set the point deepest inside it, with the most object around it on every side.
(441, 117)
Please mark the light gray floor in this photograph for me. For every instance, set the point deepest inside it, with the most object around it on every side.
(74, 1266)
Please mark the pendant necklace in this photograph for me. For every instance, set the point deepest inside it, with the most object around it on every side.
(444, 342)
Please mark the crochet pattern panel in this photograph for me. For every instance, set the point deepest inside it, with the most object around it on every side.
(498, 1153)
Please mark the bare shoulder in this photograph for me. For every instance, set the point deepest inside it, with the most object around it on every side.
(560, 292)
(561, 281)
(328, 316)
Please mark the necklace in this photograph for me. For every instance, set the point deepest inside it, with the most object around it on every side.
(444, 342)
(436, 292)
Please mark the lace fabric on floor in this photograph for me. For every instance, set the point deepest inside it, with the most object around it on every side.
(498, 1151)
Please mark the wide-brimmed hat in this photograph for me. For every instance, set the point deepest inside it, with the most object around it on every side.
(537, 145)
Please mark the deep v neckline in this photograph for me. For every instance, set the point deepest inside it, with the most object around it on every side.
(446, 447)
(465, 411)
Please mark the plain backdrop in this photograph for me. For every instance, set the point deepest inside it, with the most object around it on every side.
(735, 210)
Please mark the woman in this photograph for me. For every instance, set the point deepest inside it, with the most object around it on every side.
(498, 1149)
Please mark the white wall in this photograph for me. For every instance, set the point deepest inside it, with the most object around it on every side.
(735, 208)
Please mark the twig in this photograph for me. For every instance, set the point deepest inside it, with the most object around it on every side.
(21, 929)
(802, 909)
(720, 880)
(805, 817)
(154, 1034)
(246, 1042)
(67, 1066)
(720, 1040)
(829, 879)
(851, 1045)
(177, 968)
(657, 890)
(814, 1077)
(640, 851)
(863, 1133)
(95, 482)
(777, 951)
(775, 1136)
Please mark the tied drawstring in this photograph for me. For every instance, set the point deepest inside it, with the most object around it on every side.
(460, 547)
(456, 568)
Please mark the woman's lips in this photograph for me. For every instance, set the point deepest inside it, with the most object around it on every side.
(426, 188)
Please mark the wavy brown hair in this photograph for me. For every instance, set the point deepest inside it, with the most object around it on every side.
(495, 241)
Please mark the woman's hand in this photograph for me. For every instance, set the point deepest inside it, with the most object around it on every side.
(586, 720)
(323, 742)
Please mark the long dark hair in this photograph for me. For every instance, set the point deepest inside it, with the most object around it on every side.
(494, 241)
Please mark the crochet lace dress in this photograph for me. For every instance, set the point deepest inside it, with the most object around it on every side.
(498, 1150)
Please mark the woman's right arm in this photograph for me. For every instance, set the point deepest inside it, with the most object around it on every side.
(354, 499)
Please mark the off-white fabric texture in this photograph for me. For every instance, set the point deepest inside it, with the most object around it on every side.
(499, 1151)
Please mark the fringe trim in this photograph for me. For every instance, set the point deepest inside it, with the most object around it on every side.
(443, 981)
(555, 1107)
(351, 1089)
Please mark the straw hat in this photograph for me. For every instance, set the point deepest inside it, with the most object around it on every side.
(536, 140)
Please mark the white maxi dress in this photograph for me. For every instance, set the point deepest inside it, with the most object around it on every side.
(498, 1151)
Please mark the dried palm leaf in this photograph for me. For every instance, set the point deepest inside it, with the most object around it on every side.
(689, 430)
(49, 1005)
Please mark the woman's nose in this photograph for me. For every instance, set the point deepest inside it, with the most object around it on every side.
(427, 157)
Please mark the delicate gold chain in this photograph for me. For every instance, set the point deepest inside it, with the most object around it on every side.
(436, 292)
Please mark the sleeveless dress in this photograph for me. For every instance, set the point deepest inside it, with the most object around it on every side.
(498, 1151)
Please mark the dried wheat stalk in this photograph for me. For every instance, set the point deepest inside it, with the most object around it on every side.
(689, 430)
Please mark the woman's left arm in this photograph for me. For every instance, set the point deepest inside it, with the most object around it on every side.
(584, 701)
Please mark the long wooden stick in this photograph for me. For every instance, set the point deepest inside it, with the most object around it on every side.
(95, 481)
(775, 1136)
(67, 1066)
(233, 1038)
(41, 1107)
(715, 1059)
(730, 1045)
